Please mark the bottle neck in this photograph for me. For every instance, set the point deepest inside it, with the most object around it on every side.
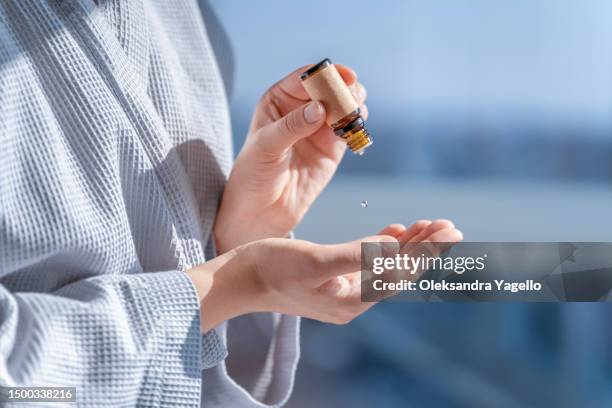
(352, 129)
(347, 121)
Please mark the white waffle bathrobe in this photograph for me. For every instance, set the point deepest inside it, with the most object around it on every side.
(114, 149)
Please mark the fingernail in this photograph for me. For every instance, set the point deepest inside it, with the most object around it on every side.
(313, 112)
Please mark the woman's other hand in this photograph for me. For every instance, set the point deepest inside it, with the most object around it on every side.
(298, 277)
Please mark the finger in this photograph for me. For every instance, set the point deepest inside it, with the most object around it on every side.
(364, 111)
(451, 235)
(394, 230)
(445, 238)
(413, 230)
(349, 76)
(340, 259)
(434, 244)
(420, 241)
(292, 84)
(302, 122)
(435, 226)
(359, 92)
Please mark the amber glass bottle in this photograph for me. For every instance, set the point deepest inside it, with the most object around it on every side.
(324, 83)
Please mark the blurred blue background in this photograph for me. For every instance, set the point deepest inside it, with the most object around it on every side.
(497, 115)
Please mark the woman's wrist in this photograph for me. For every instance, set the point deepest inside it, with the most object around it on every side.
(225, 231)
(226, 288)
(223, 241)
(230, 235)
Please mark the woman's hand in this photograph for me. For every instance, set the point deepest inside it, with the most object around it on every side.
(289, 156)
(300, 278)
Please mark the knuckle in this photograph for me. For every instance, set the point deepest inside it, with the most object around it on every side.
(290, 124)
(267, 97)
(270, 103)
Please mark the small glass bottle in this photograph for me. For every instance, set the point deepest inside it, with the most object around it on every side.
(324, 84)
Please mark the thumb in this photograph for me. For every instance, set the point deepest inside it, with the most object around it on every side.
(345, 258)
(297, 124)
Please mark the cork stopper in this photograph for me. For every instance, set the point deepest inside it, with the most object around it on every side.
(324, 84)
